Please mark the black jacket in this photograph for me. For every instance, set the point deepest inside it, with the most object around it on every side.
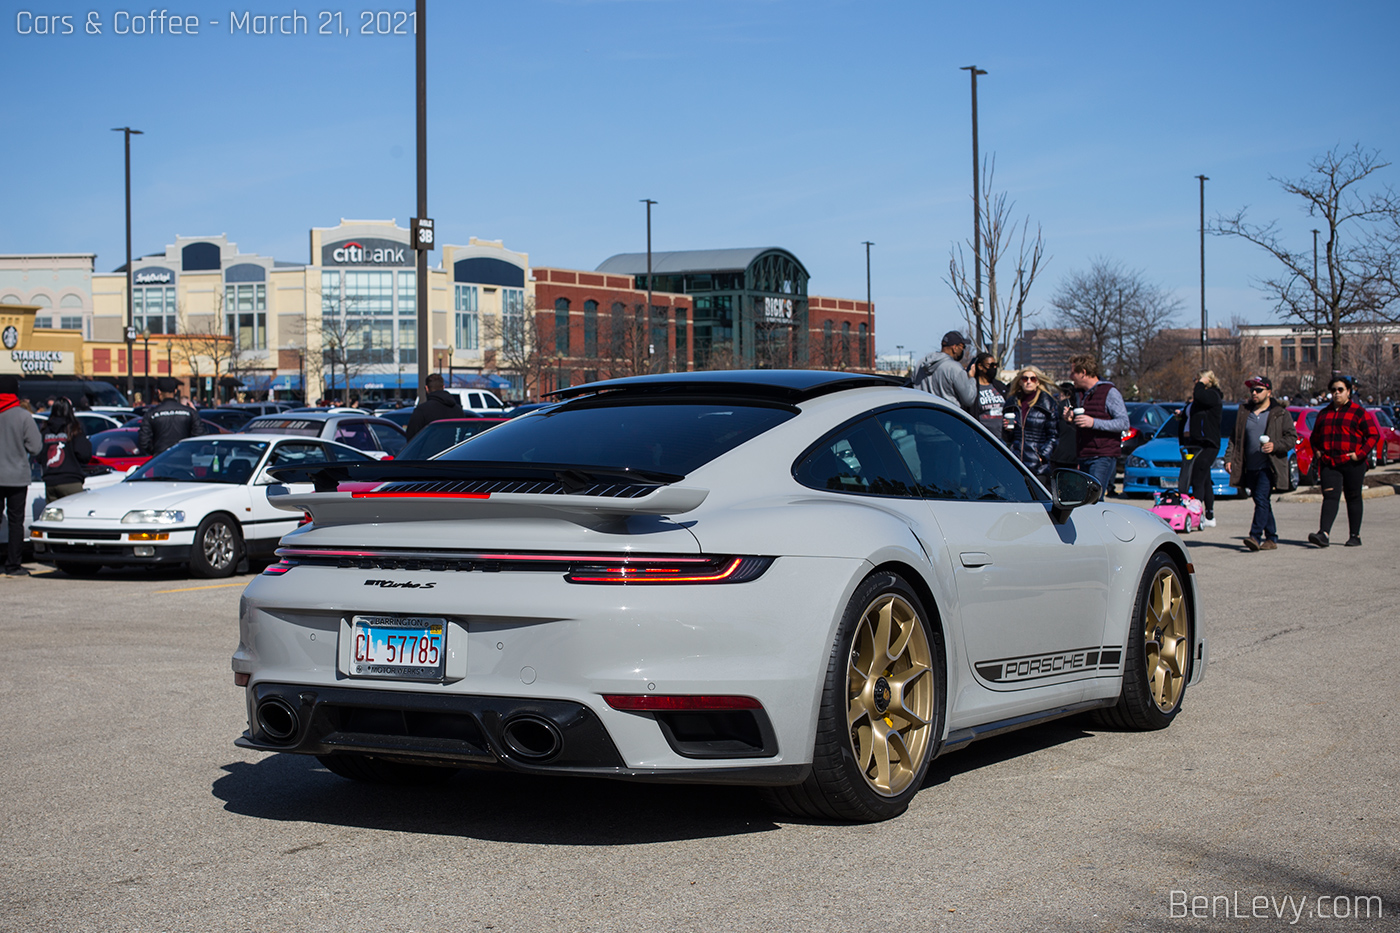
(1035, 433)
(438, 405)
(165, 425)
(1203, 427)
(62, 457)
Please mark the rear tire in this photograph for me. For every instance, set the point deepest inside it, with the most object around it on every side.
(76, 569)
(1157, 663)
(368, 769)
(881, 712)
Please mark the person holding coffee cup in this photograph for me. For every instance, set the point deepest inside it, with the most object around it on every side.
(1032, 421)
(1258, 457)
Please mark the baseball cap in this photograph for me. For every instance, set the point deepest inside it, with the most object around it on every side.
(168, 384)
(1259, 382)
(953, 338)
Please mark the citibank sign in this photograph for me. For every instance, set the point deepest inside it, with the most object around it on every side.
(365, 252)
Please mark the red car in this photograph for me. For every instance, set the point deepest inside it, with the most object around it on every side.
(117, 448)
(1387, 450)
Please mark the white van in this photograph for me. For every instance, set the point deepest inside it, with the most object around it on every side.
(481, 401)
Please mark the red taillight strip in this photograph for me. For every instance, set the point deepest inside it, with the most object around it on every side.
(594, 559)
(279, 568)
(420, 495)
(650, 702)
(658, 575)
(477, 555)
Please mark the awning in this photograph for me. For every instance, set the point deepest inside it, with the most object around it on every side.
(478, 381)
(265, 382)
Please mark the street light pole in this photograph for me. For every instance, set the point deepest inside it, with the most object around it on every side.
(646, 319)
(974, 71)
(127, 132)
(1205, 329)
(146, 338)
(869, 308)
(420, 246)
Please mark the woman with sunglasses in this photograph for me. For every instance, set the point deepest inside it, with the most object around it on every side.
(1342, 438)
(1032, 421)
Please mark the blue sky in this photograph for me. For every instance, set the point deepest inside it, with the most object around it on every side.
(807, 125)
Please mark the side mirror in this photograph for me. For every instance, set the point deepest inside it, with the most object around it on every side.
(1069, 489)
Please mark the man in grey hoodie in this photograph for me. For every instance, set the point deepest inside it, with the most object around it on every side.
(19, 440)
(942, 374)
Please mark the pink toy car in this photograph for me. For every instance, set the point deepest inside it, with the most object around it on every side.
(1181, 511)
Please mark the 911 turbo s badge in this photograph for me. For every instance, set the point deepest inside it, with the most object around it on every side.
(1036, 667)
(393, 584)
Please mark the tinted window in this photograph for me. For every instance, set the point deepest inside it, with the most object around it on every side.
(201, 461)
(297, 426)
(115, 443)
(1383, 418)
(356, 434)
(1311, 418)
(440, 435)
(950, 459)
(669, 438)
(289, 452)
(390, 439)
(857, 458)
(343, 453)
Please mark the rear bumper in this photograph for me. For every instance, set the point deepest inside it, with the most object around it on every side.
(462, 730)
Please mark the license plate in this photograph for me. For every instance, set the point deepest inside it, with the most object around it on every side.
(402, 647)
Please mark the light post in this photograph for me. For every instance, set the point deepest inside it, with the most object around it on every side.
(869, 308)
(974, 71)
(146, 352)
(423, 234)
(127, 132)
(646, 318)
(1205, 330)
(899, 352)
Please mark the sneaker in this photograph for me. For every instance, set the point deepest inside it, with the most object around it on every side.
(1269, 544)
(1207, 523)
(23, 572)
(1354, 541)
(1251, 543)
(1319, 538)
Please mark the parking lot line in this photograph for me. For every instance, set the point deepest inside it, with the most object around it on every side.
(190, 589)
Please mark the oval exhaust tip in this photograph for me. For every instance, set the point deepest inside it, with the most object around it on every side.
(532, 738)
(277, 719)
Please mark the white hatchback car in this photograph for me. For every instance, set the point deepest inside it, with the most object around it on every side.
(812, 581)
(203, 502)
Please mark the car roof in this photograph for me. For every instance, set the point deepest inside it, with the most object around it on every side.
(323, 416)
(787, 385)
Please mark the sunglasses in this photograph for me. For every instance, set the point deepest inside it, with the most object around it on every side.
(1030, 378)
(1256, 388)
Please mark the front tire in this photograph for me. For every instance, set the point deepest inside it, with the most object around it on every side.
(1157, 663)
(881, 711)
(216, 547)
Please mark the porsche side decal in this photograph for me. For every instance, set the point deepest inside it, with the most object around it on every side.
(1052, 664)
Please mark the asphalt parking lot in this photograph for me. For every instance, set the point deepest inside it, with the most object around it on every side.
(127, 807)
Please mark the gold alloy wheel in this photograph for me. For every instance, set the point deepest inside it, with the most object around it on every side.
(1166, 639)
(890, 694)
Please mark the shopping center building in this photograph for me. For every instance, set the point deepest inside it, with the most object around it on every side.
(344, 320)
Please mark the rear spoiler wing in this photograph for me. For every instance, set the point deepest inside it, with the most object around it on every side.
(369, 506)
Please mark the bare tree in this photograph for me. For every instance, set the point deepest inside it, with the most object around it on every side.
(346, 341)
(1004, 240)
(521, 347)
(1358, 278)
(202, 345)
(1118, 316)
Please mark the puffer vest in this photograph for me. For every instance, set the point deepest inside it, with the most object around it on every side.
(1091, 441)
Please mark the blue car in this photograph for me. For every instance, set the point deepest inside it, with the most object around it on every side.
(1156, 465)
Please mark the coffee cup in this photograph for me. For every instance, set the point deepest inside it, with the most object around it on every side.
(1009, 415)
(1078, 412)
(1263, 439)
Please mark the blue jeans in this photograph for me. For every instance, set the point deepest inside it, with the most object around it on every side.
(1102, 469)
(1262, 482)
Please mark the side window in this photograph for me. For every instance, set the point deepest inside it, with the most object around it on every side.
(389, 439)
(950, 459)
(356, 434)
(856, 459)
(296, 452)
(341, 453)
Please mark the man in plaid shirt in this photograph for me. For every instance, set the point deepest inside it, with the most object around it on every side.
(1342, 438)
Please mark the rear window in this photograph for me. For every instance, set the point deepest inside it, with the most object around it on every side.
(295, 426)
(440, 435)
(668, 438)
(1227, 425)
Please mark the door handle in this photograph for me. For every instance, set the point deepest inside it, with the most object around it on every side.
(976, 558)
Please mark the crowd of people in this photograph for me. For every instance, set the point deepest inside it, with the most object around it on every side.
(1081, 426)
